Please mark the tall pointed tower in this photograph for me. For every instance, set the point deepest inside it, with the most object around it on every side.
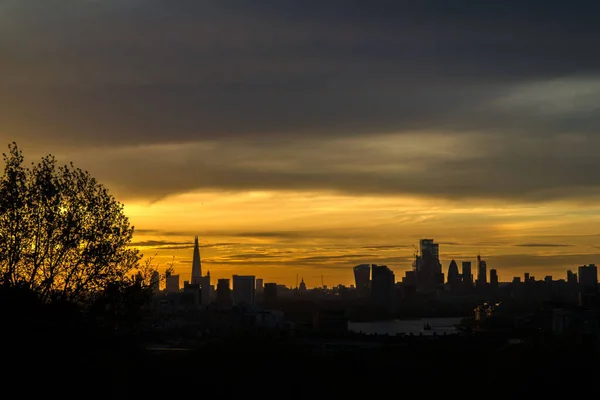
(196, 265)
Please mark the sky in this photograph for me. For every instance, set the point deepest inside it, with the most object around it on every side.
(299, 138)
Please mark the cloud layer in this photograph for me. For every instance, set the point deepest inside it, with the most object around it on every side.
(428, 98)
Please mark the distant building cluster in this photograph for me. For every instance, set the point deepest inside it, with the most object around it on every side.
(376, 284)
(247, 302)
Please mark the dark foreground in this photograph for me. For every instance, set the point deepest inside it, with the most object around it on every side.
(285, 368)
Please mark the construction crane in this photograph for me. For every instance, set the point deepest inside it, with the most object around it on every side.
(416, 250)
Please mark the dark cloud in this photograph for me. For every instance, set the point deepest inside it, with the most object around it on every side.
(385, 247)
(283, 235)
(451, 166)
(219, 244)
(267, 95)
(162, 232)
(177, 247)
(157, 243)
(248, 256)
(341, 257)
(556, 263)
(271, 234)
(543, 245)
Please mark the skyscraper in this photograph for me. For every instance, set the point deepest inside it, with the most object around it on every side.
(467, 275)
(223, 292)
(259, 285)
(493, 278)
(172, 284)
(196, 265)
(428, 267)
(588, 278)
(481, 272)
(382, 286)
(453, 275)
(362, 278)
(244, 287)
(588, 287)
(271, 297)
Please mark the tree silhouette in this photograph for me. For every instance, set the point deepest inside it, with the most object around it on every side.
(61, 233)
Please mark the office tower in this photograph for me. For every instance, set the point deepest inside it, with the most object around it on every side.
(430, 247)
(493, 278)
(526, 277)
(206, 289)
(428, 267)
(259, 285)
(588, 278)
(382, 286)
(196, 265)
(588, 287)
(467, 275)
(481, 272)
(223, 293)
(362, 279)
(244, 287)
(191, 294)
(270, 295)
(453, 275)
(571, 278)
(172, 284)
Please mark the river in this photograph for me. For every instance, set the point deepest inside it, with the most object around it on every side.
(439, 326)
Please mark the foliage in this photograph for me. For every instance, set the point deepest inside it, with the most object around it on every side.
(61, 233)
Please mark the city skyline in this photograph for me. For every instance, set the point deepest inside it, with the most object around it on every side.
(345, 274)
(307, 137)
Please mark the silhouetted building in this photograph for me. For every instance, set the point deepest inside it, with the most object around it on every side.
(410, 278)
(172, 284)
(588, 278)
(588, 287)
(383, 285)
(270, 295)
(481, 272)
(428, 267)
(493, 278)
(191, 294)
(223, 293)
(467, 275)
(196, 265)
(244, 287)
(571, 278)
(362, 279)
(203, 282)
(302, 287)
(205, 289)
(453, 275)
(259, 285)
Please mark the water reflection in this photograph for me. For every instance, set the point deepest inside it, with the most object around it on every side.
(439, 326)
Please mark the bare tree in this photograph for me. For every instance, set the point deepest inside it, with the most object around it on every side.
(61, 232)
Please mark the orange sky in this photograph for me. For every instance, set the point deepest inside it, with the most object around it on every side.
(278, 235)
